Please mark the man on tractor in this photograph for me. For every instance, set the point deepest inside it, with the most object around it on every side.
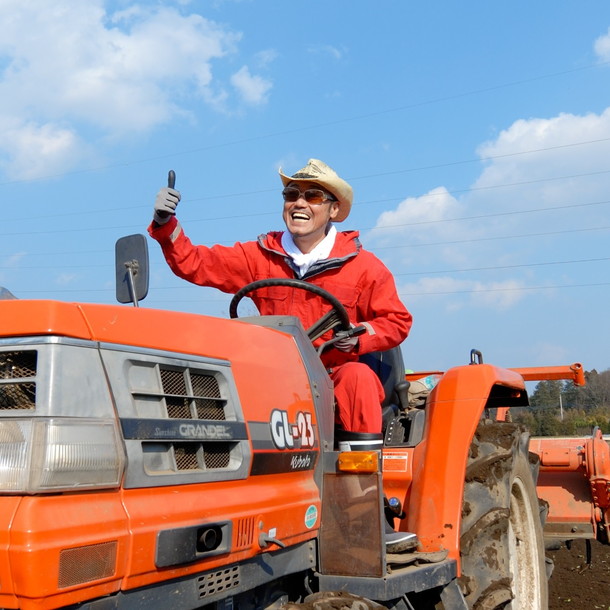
(311, 249)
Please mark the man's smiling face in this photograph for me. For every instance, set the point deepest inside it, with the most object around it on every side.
(307, 222)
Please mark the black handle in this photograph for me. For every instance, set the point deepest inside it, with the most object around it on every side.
(354, 331)
(171, 179)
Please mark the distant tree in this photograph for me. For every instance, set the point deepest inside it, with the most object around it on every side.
(572, 396)
(559, 408)
(596, 392)
(528, 419)
(546, 394)
(549, 424)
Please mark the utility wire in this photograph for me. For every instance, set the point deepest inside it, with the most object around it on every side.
(325, 125)
(392, 226)
(507, 289)
(476, 239)
(245, 194)
(428, 272)
(500, 267)
(410, 294)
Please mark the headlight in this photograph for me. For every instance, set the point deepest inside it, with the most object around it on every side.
(59, 454)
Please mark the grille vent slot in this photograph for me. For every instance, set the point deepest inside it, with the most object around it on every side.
(18, 379)
(244, 533)
(87, 563)
(218, 582)
(196, 396)
(186, 456)
(217, 455)
(190, 395)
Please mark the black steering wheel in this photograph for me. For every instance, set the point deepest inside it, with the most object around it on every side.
(336, 318)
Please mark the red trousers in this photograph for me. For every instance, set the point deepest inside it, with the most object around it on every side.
(358, 394)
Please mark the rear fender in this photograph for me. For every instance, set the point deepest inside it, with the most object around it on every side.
(454, 409)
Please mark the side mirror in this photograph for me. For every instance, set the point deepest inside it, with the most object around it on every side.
(131, 262)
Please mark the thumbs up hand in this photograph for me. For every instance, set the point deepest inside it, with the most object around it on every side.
(167, 200)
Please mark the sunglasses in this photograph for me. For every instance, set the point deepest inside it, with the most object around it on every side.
(313, 196)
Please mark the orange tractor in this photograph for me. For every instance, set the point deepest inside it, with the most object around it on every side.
(154, 459)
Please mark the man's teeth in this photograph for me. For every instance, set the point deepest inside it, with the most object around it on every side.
(299, 216)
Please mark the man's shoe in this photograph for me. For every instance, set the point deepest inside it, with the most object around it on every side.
(399, 542)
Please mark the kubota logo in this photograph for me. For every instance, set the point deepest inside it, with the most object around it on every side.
(288, 436)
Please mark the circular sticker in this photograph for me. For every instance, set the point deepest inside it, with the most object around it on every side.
(311, 516)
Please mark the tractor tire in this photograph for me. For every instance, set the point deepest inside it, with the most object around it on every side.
(501, 543)
(334, 600)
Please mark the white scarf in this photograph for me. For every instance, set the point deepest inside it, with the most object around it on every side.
(304, 260)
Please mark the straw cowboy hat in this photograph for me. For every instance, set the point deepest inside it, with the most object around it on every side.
(317, 171)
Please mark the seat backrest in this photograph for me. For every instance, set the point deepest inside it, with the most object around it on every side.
(389, 367)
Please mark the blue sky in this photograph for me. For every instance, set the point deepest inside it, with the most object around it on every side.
(476, 136)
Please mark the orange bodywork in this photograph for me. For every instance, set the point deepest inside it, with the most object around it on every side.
(44, 538)
(574, 476)
(574, 480)
(431, 475)
(434, 469)
(37, 530)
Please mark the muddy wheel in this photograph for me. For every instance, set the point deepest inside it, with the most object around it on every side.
(502, 548)
(334, 600)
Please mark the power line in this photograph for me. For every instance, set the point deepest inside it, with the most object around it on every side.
(475, 239)
(326, 124)
(480, 159)
(400, 171)
(436, 293)
(499, 267)
(507, 289)
(410, 245)
(393, 226)
(493, 215)
(427, 272)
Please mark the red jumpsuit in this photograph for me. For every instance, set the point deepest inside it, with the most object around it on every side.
(360, 281)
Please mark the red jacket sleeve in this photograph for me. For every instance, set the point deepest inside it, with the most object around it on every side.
(225, 268)
(380, 309)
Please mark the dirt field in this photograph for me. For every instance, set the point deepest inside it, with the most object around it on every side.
(576, 586)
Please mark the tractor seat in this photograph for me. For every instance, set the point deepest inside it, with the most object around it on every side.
(389, 367)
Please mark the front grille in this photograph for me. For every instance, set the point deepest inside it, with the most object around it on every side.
(177, 408)
(205, 385)
(196, 396)
(186, 456)
(173, 381)
(190, 395)
(218, 582)
(209, 409)
(217, 455)
(18, 379)
(86, 563)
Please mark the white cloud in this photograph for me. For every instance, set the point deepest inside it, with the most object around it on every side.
(14, 259)
(253, 89)
(10, 263)
(436, 205)
(540, 148)
(66, 279)
(548, 354)
(328, 50)
(39, 149)
(265, 58)
(69, 68)
(602, 46)
(497, 229)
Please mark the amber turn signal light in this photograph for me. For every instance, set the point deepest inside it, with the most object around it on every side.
(358, 461)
